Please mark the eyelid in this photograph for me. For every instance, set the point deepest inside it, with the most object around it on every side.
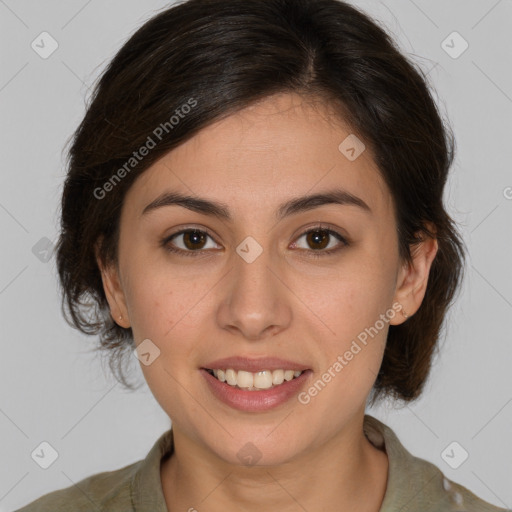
(190, 227)
(323, 226)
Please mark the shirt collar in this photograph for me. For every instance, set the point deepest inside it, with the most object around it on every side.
(147, 494)
(146, 485)
(412, 482)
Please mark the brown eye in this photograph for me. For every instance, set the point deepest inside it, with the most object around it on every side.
(194, 239)
(187, 242)
(320, 238)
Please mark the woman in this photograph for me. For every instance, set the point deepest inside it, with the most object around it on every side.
(254, 204)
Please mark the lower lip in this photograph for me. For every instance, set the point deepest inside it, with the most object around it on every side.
(256, 401)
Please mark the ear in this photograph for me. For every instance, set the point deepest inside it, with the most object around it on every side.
(113, 289)
(413, 278)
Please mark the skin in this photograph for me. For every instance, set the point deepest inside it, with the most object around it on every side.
(314, 456)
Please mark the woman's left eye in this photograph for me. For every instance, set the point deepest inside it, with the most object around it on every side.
(193, 241)
(318, 236)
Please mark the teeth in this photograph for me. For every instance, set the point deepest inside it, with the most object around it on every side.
(251, 381)
(231, 377)
(246, 379)
(277, 377)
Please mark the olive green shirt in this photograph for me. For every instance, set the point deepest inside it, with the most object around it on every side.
(413, 485)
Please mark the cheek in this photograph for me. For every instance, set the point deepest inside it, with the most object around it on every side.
(151, 309)
(350, 299)
(153, 300)
(354, 310)
(350, 358)
(163, 305)
(162, 309)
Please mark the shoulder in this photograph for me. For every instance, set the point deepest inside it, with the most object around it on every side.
(447, 495)
(417, 484)
(109, 490)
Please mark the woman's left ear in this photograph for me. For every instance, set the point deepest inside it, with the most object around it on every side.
(113, 290)
(413, 278)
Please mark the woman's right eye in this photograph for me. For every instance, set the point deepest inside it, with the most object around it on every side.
(192, 241)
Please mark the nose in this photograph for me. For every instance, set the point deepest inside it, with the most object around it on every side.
(256, 299)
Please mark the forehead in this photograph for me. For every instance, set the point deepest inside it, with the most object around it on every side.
(270, 152)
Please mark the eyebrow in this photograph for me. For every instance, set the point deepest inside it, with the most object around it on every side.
(291, 207)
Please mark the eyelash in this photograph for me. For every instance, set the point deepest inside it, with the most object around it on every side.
(312, 253)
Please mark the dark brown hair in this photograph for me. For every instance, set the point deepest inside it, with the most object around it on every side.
(218, 57)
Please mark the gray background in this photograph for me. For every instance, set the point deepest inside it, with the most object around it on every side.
(54, 390)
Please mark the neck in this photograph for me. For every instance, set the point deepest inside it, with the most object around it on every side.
(345, 473)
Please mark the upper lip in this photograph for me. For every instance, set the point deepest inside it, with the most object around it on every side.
(254, 364)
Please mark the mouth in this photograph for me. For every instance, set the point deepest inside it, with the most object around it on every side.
(255, 392)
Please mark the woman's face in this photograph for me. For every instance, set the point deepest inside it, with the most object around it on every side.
(252, 287)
